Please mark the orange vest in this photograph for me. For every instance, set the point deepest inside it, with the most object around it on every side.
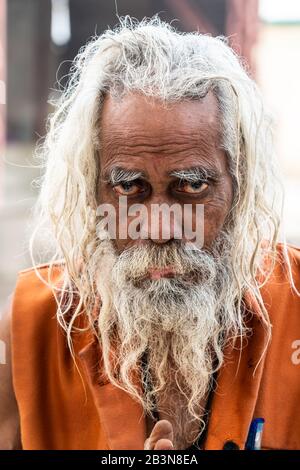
(62, 409)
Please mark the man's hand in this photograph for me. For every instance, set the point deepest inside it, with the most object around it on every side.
(161, 437)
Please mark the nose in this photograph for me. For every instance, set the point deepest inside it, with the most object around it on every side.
(163, 223)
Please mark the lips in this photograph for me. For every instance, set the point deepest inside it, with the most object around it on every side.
(158, 273)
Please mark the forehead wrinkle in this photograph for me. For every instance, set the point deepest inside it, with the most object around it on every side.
(126, 144)
(139, 133)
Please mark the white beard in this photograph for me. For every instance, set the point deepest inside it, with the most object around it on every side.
(182, 323)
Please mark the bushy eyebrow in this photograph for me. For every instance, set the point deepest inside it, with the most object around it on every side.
(195, 174)
(117, 175)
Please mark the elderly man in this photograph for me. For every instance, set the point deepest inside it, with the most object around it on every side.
(132, 336)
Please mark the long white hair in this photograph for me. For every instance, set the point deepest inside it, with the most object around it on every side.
(154, 59)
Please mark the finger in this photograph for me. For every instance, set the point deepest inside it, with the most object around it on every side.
(147, 444)
(164, 444)
(163, 429)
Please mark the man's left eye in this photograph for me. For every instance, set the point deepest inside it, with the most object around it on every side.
(195, 187)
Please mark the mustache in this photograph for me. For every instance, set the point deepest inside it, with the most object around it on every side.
(175, 259)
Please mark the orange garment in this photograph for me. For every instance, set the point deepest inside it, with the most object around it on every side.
(60, 410)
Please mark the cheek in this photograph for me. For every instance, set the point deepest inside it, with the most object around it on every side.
(120, 227)
(214, 219)
(215, 213)
(105, 196)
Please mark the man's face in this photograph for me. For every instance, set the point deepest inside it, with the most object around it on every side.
(178, 304)
(142, 136)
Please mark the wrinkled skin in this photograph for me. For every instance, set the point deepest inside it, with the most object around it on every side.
(141, 134)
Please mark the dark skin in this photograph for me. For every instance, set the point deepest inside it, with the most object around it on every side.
(143, 135)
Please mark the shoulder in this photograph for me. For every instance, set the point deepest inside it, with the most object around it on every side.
(38, 296)
(288, 263)
(281, 292)
(36, 283)
(292, 250)
(34, 327)
(34, 303)
(293, 253)
(44, 271)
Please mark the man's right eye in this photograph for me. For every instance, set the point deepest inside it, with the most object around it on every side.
(128, 188)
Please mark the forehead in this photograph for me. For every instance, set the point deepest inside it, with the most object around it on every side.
(136, 127)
